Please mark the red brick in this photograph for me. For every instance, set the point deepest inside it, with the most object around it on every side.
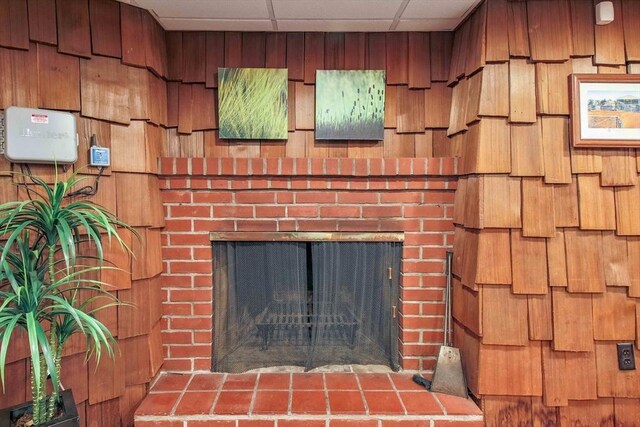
(256, 197)
(425, 211)
(202, 253)
(258, 166)
(176, 309)
(414, 295)
(432, 239)
(390, 166)
(240, 382)
(383, 402)
(270, 211)
(375, 167)
(211, 197)
(197, 166)
(190, 295)
(287, 225)
(287, 166)
(233, 211)
(410, 364)
(421, 349)
(176, 196)
(394, 225)
(437, 225)
(302, 166)
(209, 423)
(202, 364)
(353, 423)
(181, 166)
(190, 323)
(409, 308)
(444, 197)
(166, 165)
(171, 382)
(190, 267)
(422, 322)
(220, 183)
(171, 253)
(361, 225)
(195, 403)
(300, 423)
(233, 402)
(280, 183)
(242, 166)
(381, 211)
(256, 423)
(189, 211)
(405, 166)
(401, 197)
(158, 424)
(332, 167)
(462, 423)
(346, 166)
(191, 350)
(273, 166)
(257, 225)
(200, 281)
(422, 267)
(284, 197)
(347, 197)
(318, 225)
(408, 337)
(339, 211)
(202, 309)
(437, 184)
(317, 166)
(419, 166)
(377, 183)
(302, 211)
(189, 239)
(358, 184)
(176, 337)
(177, 365)
(239, 184)
(361, 167)
(259, 184)
(227, 166)
(346, 402)
(199, 183)
(271, 402)
(339, 183)
(406, 423)
(318, 183)
(158, 404)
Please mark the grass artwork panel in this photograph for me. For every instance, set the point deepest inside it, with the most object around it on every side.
(252, 103)
(350, 104)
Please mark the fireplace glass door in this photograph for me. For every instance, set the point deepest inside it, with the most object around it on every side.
(304, 304)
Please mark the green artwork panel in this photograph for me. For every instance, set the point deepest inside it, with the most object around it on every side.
(252, 103)
(350, 105)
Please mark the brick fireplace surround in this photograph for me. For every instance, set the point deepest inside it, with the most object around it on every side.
(414, 196)
(200, 196)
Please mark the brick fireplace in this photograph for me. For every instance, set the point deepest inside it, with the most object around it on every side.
(201, 196)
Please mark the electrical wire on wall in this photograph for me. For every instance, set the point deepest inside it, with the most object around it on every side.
(87, 190)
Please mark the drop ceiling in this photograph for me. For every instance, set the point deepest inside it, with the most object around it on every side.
(308, 15)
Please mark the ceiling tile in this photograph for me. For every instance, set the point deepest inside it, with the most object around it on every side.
(336, 9)
(334, 25)
(432, 9)
(181, 24)
(220, 9)
(427, 24)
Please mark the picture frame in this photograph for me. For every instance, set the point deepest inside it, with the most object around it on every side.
(605, 110)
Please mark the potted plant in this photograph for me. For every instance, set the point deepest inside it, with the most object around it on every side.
(48, 288)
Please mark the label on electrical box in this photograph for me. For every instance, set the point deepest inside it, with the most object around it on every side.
(42, 119)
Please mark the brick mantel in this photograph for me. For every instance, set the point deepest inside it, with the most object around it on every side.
(409, 195)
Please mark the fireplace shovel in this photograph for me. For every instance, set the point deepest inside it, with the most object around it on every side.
(448, 376)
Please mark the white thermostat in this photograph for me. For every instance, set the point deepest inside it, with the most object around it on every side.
(40, 136)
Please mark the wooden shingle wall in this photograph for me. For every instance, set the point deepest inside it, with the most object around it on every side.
(547, 236)
(71, 55)
(417, 96)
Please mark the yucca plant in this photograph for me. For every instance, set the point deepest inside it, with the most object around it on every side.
(46, 287)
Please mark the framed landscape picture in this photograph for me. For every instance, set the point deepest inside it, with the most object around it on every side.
(605, 110)
(350, 104)
(252, 103)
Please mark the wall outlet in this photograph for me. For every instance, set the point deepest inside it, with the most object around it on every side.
(626, 359)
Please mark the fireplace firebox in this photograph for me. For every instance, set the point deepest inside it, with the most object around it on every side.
(305, 300)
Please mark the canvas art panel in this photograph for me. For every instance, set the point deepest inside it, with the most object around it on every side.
(350, 104)
(252, 103)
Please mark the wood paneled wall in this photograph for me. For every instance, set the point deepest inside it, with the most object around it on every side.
(71, 55)
(547, 242)
(417, 96)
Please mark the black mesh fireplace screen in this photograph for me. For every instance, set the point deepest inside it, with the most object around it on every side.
(304, 304)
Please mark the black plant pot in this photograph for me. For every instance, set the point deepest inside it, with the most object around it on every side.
(69, 417)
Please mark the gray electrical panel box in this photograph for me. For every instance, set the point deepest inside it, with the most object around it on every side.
(40, 136)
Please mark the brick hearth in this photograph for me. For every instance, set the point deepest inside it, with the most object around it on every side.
(412, 195)
(300, 400)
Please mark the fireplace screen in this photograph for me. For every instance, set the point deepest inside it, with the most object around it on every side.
(304, 304)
